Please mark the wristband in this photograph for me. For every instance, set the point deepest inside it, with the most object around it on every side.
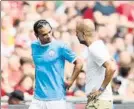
(101, 89)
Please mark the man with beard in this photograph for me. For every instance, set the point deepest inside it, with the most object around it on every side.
(100, 67)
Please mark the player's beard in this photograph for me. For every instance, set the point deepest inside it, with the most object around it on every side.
(43, 43)
(83, 42)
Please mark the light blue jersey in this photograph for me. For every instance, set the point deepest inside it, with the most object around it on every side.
(49, 63)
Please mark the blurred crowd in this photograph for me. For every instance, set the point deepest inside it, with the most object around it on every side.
(114, 22)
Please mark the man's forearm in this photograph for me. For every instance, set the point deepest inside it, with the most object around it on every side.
(108, 77)
(77, 68)
(110, 69)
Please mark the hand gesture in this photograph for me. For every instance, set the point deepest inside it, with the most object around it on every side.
(92, 96)
(68, 84)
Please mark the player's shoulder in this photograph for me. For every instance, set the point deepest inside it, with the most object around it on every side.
(57, 43)
(98, 48)
(96, 44)
(35, 43)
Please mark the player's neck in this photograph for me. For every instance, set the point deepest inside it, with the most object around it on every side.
(91, 40)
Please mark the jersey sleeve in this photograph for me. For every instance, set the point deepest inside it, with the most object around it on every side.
(67, 53)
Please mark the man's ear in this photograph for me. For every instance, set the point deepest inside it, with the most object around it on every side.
(35, 34)
(84, 36)
(53, 34)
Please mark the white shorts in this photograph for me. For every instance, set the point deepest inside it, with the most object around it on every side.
(38, 104)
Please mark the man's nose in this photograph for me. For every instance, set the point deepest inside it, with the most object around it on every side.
(49, 35)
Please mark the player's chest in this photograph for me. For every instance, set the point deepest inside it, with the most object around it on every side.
(45, 56)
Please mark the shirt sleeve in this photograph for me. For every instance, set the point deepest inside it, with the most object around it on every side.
(67, 53)
(99, 53)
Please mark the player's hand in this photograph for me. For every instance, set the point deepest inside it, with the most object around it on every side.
(94, 95)
(68, 84)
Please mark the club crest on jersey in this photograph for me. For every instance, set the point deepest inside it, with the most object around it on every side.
(51, 53)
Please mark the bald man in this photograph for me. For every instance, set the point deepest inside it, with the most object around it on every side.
(100, 67)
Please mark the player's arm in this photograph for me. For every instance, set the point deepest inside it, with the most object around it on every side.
(110, 69)
(71, 57)
(77, 68)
